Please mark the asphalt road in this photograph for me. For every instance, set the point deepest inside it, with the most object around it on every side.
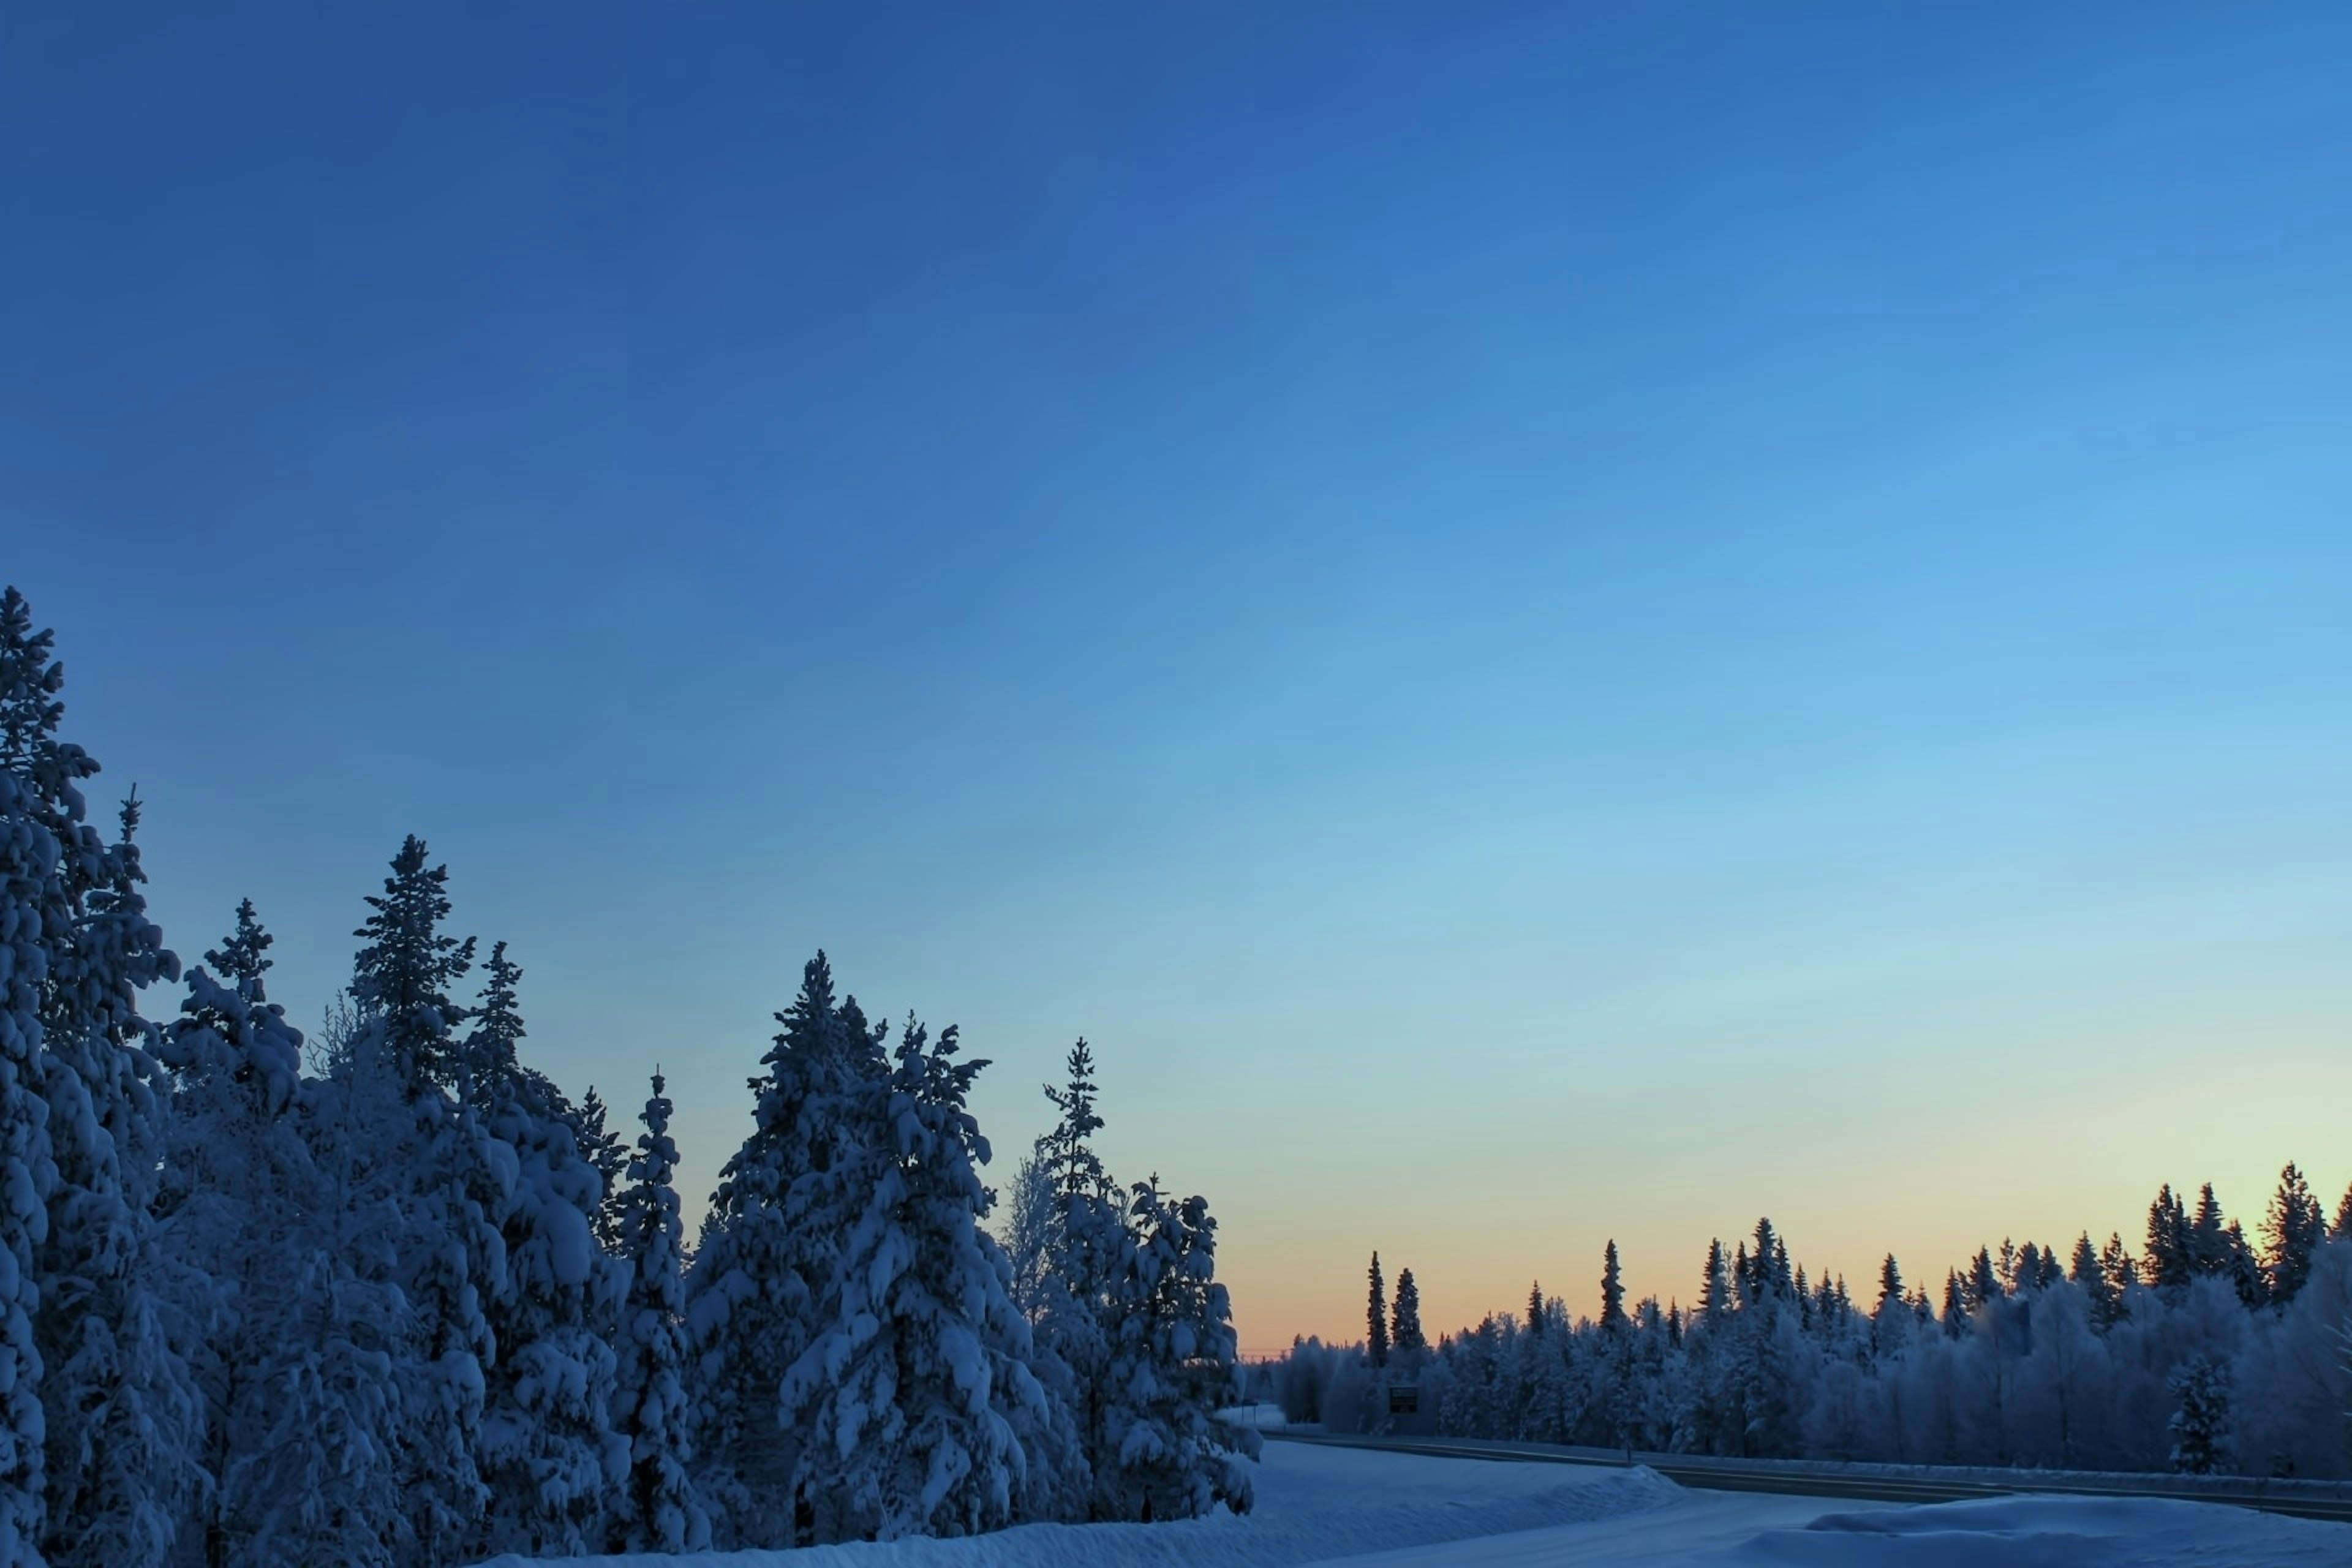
(1764, 1476)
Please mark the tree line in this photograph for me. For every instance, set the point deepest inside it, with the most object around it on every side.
(2209, 1352)
(389, 1296)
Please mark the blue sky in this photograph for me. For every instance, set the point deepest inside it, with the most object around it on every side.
(1546, 621)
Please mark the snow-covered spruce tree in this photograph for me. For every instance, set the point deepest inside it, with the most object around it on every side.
(658, 1508)
(451, 1182)
(237, 1185)
(123, 1418)
(1086, 1247)
(1171, 1366)
(608, 1153)
(920, 1413)
(766, 1278)
(1376, 1317)
(549, 1455)
(2201, 1421)
(39, 795)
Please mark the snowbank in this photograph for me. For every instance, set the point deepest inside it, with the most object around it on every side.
(1322, 1505)
(1313, 1504)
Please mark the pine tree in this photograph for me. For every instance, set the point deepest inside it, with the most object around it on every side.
(1171, 1366)
(40, 810)
(2201, 1420)
(548, 1454)
(1405, 1326)
(1612, 1291)
(1890, 1283)
(2342, 1229)
(2293, 1232)
(1376, 1321)
(766, 1278)
(451, 1188)
(1983, 1281)
(123, 1415)
(403, 973)
(2209, 1240)
(1715, 1286)
(2169, 1261)
(237, 1185)
(1087, 1245)
(921, 1416)
(1956, 1305)
(658, 1508)
(1535, 1307)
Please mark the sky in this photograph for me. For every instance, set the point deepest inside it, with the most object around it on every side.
(1545, 623)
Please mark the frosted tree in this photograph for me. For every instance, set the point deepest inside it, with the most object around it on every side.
(1086, 1247)
(920, 1413)
(1032, 1217)
(658, 1508)
(547, 1451)
(2169, 1261)
(2201, 1421)
(452, 1187)
(39, 801)
(766, 1278)
(123, 1425)
(237, 1185)
(1171, 1359)
(1376, 1318)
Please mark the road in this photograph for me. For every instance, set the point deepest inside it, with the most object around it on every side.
(1767, 1476)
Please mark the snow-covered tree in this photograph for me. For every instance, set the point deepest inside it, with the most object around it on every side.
(548, 1454)
(38, 796)
(1376, 1317)
(1171, 1366)
(658, 1508)
(2201, 1422)
(451, 1183)
(766, 1278)
(123, 1416)
(921, 1416)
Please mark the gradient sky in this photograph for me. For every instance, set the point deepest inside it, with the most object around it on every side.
(1545, 622)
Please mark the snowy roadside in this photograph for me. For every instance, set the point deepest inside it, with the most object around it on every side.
(1374, 1510)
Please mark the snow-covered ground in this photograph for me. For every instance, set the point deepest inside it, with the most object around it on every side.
(1388, 1510)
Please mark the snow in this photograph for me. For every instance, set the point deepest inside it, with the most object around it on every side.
(1388, 1510)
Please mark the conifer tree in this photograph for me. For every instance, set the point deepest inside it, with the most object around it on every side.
(2167, 1262)
(2209, 1251)
(1171, 1366)
(238, 1187)
(452, 1192)
(2342, 1229)
(39, 825)
(2201, 1420)
(1535, 1307)
(766, 1279)
(1376, 1318)
(1612, 1291)
(1956, 1305)
(1715, 1287)
(1405, 1326)
(2293, 1232)
(921, 1416)
(123, 1418)
(1890, 1283)
(548, 1453)
(658, 1508)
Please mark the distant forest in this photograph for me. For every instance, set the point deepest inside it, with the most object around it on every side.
(2208, 1353)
